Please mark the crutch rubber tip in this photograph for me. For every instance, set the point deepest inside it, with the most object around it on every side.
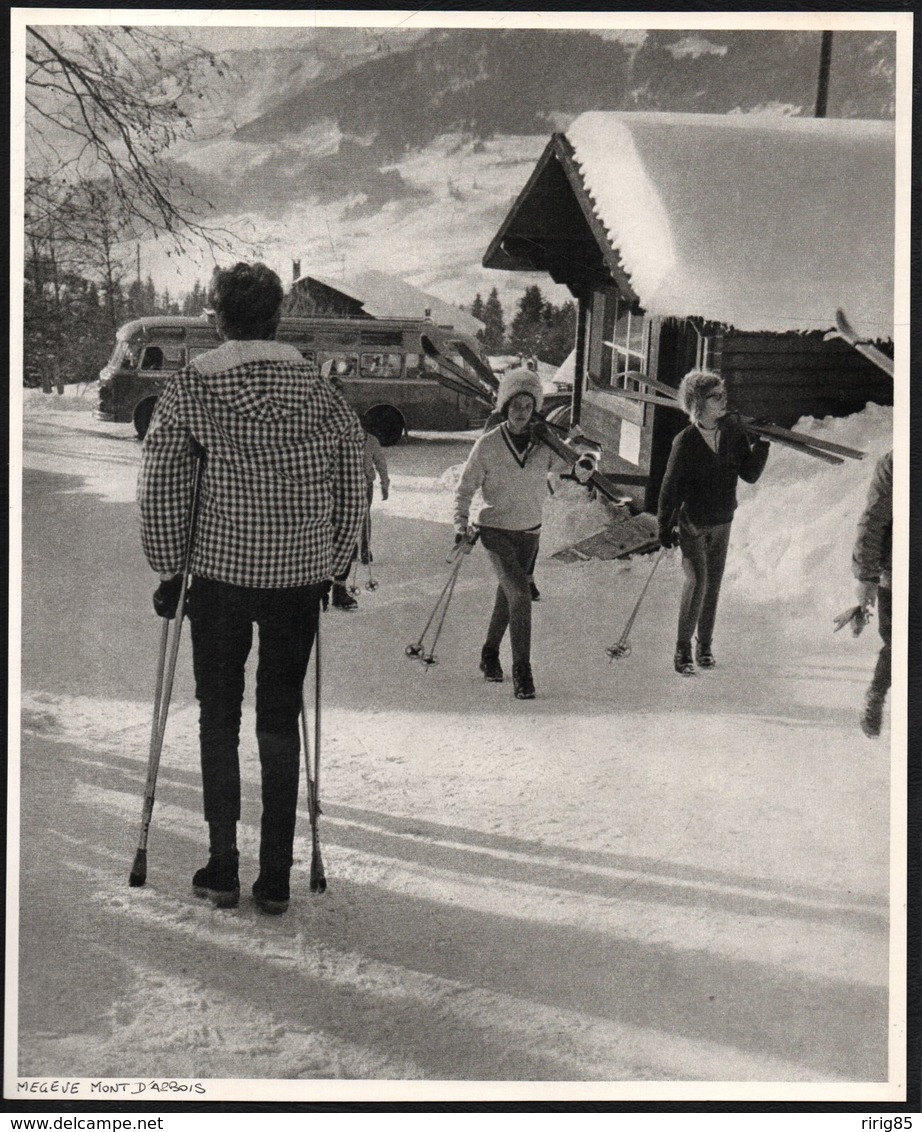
(318, 879)
(413, 650)
(138, 870)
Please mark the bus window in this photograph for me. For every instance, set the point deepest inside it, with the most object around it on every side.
(380, 365)
(415, 366)
(152, 359)
(172, 356)
(344, 365)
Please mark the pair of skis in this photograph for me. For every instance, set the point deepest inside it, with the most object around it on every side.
(481, 387)
(826, 450)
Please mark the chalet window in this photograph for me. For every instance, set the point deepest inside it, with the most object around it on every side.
(625, 340)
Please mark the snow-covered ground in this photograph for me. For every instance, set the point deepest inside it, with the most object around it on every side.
(638, 884)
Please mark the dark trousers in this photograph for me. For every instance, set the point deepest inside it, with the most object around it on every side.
(222, 618)
(880, 682)
(704, 556)
(513, 555)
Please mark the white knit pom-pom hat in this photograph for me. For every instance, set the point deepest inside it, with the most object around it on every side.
(519, 381)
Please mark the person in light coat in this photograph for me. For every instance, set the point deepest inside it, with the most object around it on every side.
(509, 466)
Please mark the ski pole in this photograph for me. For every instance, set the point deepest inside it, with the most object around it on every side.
(371, 585)
(456, 556)
(318, 878)
(164, 684)
(622, 647)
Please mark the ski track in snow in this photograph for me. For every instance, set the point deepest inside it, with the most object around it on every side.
(634, 878)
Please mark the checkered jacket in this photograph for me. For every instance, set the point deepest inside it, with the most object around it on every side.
(283, 491)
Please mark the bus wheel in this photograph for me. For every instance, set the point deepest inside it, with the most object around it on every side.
(142, 415)
(386, 423)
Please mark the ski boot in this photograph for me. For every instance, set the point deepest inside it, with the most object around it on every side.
(490, 666)
(218, 881)
(523, 683)
(271, 891)
(704, 655)
(340, 597)
(684, 664)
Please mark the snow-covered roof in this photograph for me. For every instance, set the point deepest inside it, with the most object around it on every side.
(761, 222)
(386, 296)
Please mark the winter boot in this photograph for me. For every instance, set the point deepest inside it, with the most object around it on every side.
(523, 683)
(341, 598)
(271, 892)
(535, 592)
(684, 664)
(489, 664)
(872, 717)
(218, 880)
(704, 655)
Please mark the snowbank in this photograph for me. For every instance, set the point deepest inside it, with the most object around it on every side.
(794, 530)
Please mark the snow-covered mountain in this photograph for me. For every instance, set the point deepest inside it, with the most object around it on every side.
(402, 150)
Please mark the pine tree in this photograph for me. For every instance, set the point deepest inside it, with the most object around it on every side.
(528, 325)
(477, 307)
(494, 332)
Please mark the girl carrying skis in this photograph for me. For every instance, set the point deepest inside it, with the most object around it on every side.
(696, 505)
(510, 467)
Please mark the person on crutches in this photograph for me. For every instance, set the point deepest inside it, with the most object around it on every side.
(282, 502)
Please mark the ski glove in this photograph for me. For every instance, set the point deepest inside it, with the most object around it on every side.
(325, 595)
(669, 538)
(166, 597)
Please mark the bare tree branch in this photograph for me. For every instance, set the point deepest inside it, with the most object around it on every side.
(109, 104)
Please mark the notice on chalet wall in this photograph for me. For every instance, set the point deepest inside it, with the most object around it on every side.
(629, 442)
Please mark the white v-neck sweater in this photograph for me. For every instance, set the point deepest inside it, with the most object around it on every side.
(513, 485)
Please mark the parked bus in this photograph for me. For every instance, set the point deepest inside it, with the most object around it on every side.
(387, 377)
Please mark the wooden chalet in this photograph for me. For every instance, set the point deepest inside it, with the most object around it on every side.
(720, 241)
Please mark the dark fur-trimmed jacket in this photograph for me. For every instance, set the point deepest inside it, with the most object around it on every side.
(705, 481)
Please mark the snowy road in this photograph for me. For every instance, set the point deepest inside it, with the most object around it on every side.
(636, 879)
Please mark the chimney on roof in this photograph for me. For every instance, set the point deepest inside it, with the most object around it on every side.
(295, 270)
(428, 312)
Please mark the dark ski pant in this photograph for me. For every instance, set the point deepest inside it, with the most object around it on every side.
(513, 555)
(880, 682)
(222, 617)
(704, 556)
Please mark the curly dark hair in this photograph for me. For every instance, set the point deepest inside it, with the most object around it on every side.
(247, 299)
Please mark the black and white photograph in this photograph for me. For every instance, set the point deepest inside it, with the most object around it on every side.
(459, 557)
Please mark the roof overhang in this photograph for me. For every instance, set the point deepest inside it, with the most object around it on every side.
(552, 228)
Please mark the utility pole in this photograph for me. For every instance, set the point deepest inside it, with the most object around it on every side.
(822, 86)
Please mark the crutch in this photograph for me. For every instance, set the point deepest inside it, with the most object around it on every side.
(318, 878)
(164, 683)
(622, 646)
(456, 556)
